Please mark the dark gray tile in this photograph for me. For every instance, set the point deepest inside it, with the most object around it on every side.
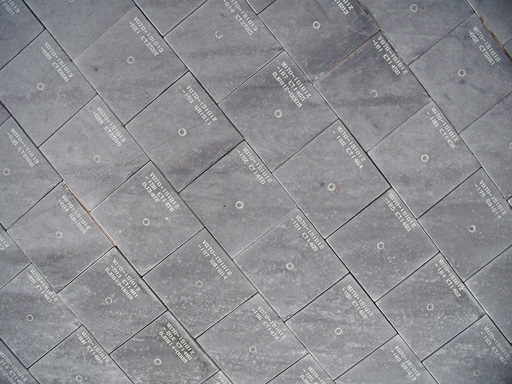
(94, 153)
(310, 31)
(18, 27)
(60, 237)
(415, 158)
(466, 73)
(341, 327)
(497, 14)
(373, 91)
(478, 355)
(136, 65)
(394, 362)
(472, 225)
(238, 199)
(112, 301)
(382, 245)
(164, 353)
(306, 371)
(259, 5)
(11, 370)
(255, 345)
(33, 318)
(508, 47)
(26, 174)
(42, 88)
(184, 132)
(218, 378)
(491, 286)
(415, 27)
(206, 39)
(490, 139)
(199, 283)
(76, 24)
(278, 111)
(147, 219)
(331, 179)
(12, 258)
(4, 114)
(291, 265)
(79, 358)
(430, 307)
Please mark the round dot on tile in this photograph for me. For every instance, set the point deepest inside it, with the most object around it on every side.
(7, 172)
(252, 349)
(30, 317)
(289, 266)
(414, 8)
(239, 204)
(278, 113)
(374, 93)
(338, 331)
(199, 284)
(316, 24)
(157, 361)
(430, 306)
(219, 34)
(461, 72)
(71, 1)
(472, 228)
(108, 300)
(182, 131)
(145, 222)
(425, 158)
(331, 187)
(40, 86)
(380, 245)
(130, 60)
(97, 158)
(58, 235)
(510, 146)
(79, 378)
(476, 372)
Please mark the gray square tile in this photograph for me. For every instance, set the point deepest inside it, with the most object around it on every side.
(373, 91)
(424, 159)
(76, 24)
(26, 174)
(310, 31)
(278, 111)
(12, 258)
(382, 245)
(206, 39)
(259, 5)
(471, 225)
(291, 264)
(11, 370)
(497, 15)
(482, 356)
(341, 327)
(256, 345)
(430, 307)
(164, 353)
(331, 179)
(306, 370)
(184, 132)
(199, 283)
(60, 237)
(218, 378)
(42, 88)
(147, 219)
(4, 114)
(490, 139)
(112, 301)
(466, 73)
(133, 58)
(238, 199)
(33, 318)
(491, 286)
(79, 358)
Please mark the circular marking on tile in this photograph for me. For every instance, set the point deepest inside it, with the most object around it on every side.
(425, 158)
(71, 1)
(219, 34)
(430, 306)
(289, 266)
(239, 204)
(108, 300)
(510, 146)
(380, 245)
(476, 372)
(157, 361)
(338, 331)
(130, 60)
(7, 172)
(278, 113)
(472, 228)
(182, 131)
(97, 158)
(461, 72)
(374, 93)
(58, 235)
(145, 222)
(30, 317)
(252, 349)
(40, 86)
(331, 187)
(199, 284)
(79, 378)
(316, 24)
(414, 8)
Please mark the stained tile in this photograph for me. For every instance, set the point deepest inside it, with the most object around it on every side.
(497, 15)
(373, 91)
(470, 226)
(331, 179)
(199, 283)
(306, 370)
(415, 157)
(60, 237)
(238, 199)
(206, 39)
(466, 73)
(112, 301)
(33, 318)
(259, 5)
(382, 245)
(439, 308)
(218, 378)
(42, 88)
(291, 265)
(11, 370)
(278, 111)
(12, 258)
(164, 353)
(184, 132)
(508, 47)
(135, 67)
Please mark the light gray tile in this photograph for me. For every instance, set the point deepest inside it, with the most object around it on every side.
(218, 378)
(497, 15)
(12, 258)
(4, 114)
(11, 370)
(306, 370)
(259, 5)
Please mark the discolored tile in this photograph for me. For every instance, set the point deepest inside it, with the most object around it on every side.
(430, 307)
(218, 378)
(206, 39)
(164, 353)
(472, 225)
(497, 15)
(415, 158)
(238, 199)
(291, 264)
(112, 301)
(60, 237)
(278, 111)
(508, 47)
(42, 88)
(11, 370)
(135, 67)
(373, 91)
(199, 283)
(146, 218)
(184, 132)
(331, 179)
(12, 258)
(382, 245)
(306, 370)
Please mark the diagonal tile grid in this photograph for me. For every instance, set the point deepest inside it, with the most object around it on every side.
(260, 191)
